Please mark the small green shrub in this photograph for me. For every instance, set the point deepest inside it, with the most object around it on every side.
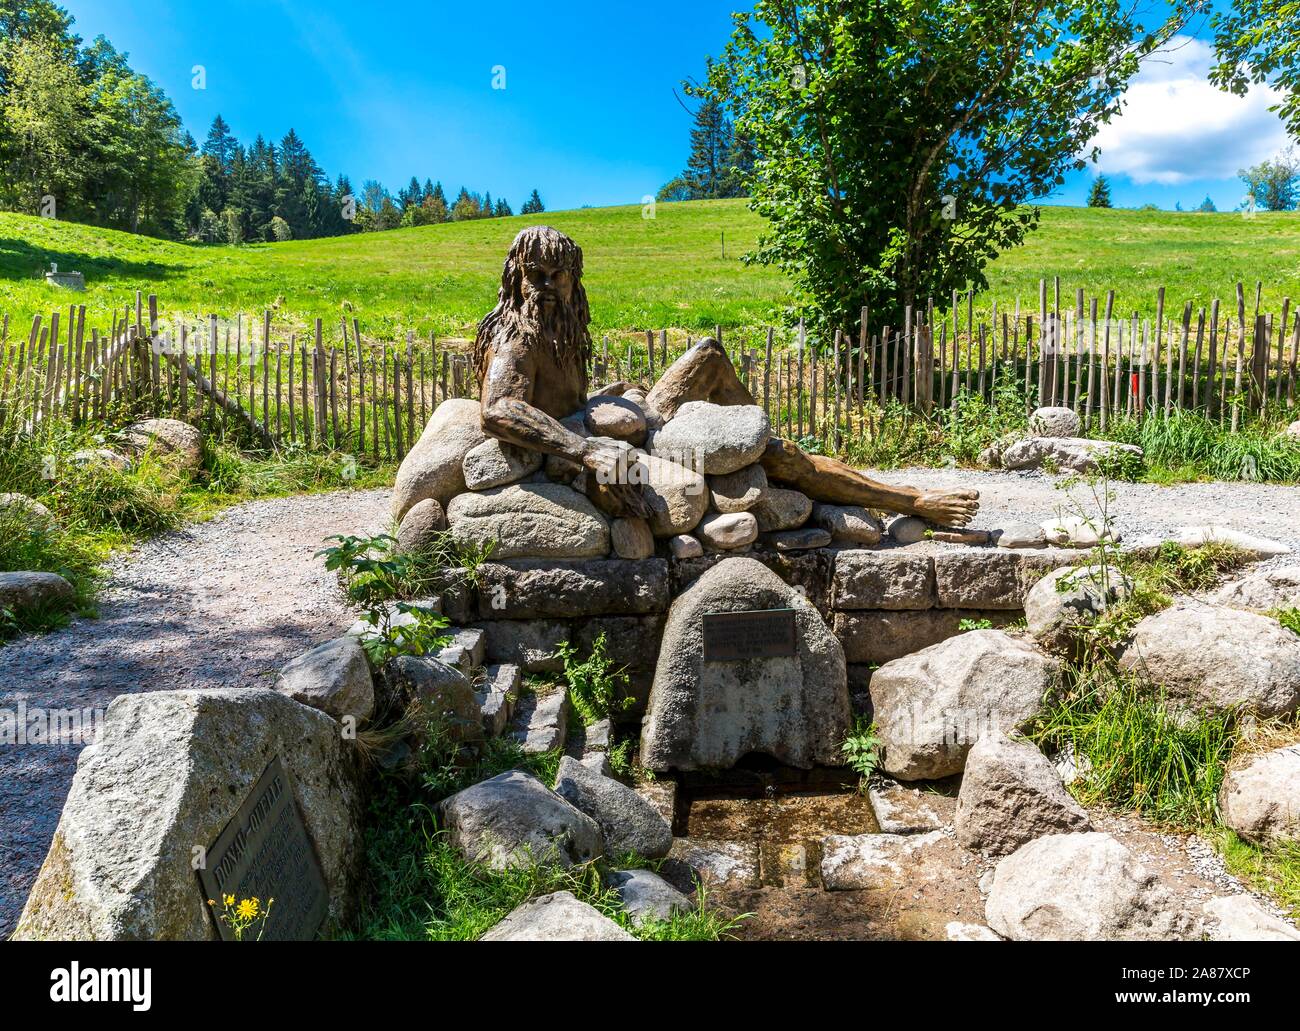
(862, 749)
(373, 571)
(1289, 618)
(597, 687)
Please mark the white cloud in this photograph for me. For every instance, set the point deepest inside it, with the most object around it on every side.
(1175, 126)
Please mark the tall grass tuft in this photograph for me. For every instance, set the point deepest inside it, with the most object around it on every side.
(1188, 444)
(1137, 754)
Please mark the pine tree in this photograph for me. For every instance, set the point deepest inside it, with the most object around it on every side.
(533, 205)
(1207, 205)
(488, 208)
(503, 209)
(706, 168)
(1099, 194)
(220, 143)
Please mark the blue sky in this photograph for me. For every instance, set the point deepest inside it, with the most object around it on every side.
(588, 115)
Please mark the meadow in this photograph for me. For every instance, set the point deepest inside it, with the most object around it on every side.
(668, 271)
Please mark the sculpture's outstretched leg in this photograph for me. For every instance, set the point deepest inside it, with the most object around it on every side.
(826, 479)
(703, 373)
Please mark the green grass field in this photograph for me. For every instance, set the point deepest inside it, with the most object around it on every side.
(641, 273)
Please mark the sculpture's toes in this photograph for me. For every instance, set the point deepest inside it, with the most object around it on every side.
(950, 508)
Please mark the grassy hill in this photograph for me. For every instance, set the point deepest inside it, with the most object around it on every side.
(641, 273)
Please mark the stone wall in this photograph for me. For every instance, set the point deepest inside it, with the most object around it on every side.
(882, 602)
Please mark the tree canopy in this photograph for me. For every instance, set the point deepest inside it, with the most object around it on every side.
(897, 141)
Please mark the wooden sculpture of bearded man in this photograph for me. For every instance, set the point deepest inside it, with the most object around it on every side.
(531, 356)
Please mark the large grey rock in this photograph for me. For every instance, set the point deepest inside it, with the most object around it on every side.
(422, 526)
(530, 644)
(628, 822)
(883, 580)
(443, 693)
(632, 538)
(1054, 422)
(433, 468)
(596, 587)
(678, 497)
(1239, 918)
(618, 418)
(992, 578)
(24, 592)
(782, 509)
(1010, 795)
(513, 819)
(739, 491)
(711, 714)
(165, 776)
(723, 438)
(17, 508)
(1079, 532)
(530, 520)
(1020, 535)
(558, 917)
(684, 546)
(1254, 548)
(807, 539)
(333, 677)
(1066, 602)
(1215, 660)
(848, 524)
(1067, 454)
(1263, 589)
(727, 531)
(494, 463)
(906, 529)
(176, 440)
(1083, 887)
(646, 896)
(1261, 799)
(878, 637)
(933, 705)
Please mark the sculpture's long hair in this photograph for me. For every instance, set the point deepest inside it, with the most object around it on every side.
(564, 330)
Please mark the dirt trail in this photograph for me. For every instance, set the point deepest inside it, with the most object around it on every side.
(218, 604)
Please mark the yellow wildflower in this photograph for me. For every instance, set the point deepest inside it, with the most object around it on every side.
(247, 909)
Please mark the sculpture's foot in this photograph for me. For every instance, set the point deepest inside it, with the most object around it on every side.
(948, 507)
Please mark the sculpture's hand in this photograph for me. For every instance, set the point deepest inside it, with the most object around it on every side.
(608, 463)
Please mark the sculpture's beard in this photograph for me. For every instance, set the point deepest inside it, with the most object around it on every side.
(540, 321)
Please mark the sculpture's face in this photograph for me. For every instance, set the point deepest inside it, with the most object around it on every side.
(547, 285)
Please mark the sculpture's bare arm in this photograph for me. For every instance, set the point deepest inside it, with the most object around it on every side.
(509, 415)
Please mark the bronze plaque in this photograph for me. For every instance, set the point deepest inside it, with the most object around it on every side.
(266, 853)
(765, 634)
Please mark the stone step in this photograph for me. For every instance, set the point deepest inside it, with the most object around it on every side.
(498, 697)
(542, 721)
(466, 650)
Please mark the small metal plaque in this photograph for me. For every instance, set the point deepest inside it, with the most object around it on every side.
(266, 853)
(765, 634)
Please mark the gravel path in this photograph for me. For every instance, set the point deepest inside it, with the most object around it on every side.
(1137, 509)
(218, 604)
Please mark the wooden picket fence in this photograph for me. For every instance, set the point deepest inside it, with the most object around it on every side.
(335, 388)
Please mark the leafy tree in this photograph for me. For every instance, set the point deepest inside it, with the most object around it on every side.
(1099, 194)
(1259, 41)
(899, 139)
(676, 189)
(467, 206)
(280, 230)
(1275, 184)
(233, 219)
(533, 205)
